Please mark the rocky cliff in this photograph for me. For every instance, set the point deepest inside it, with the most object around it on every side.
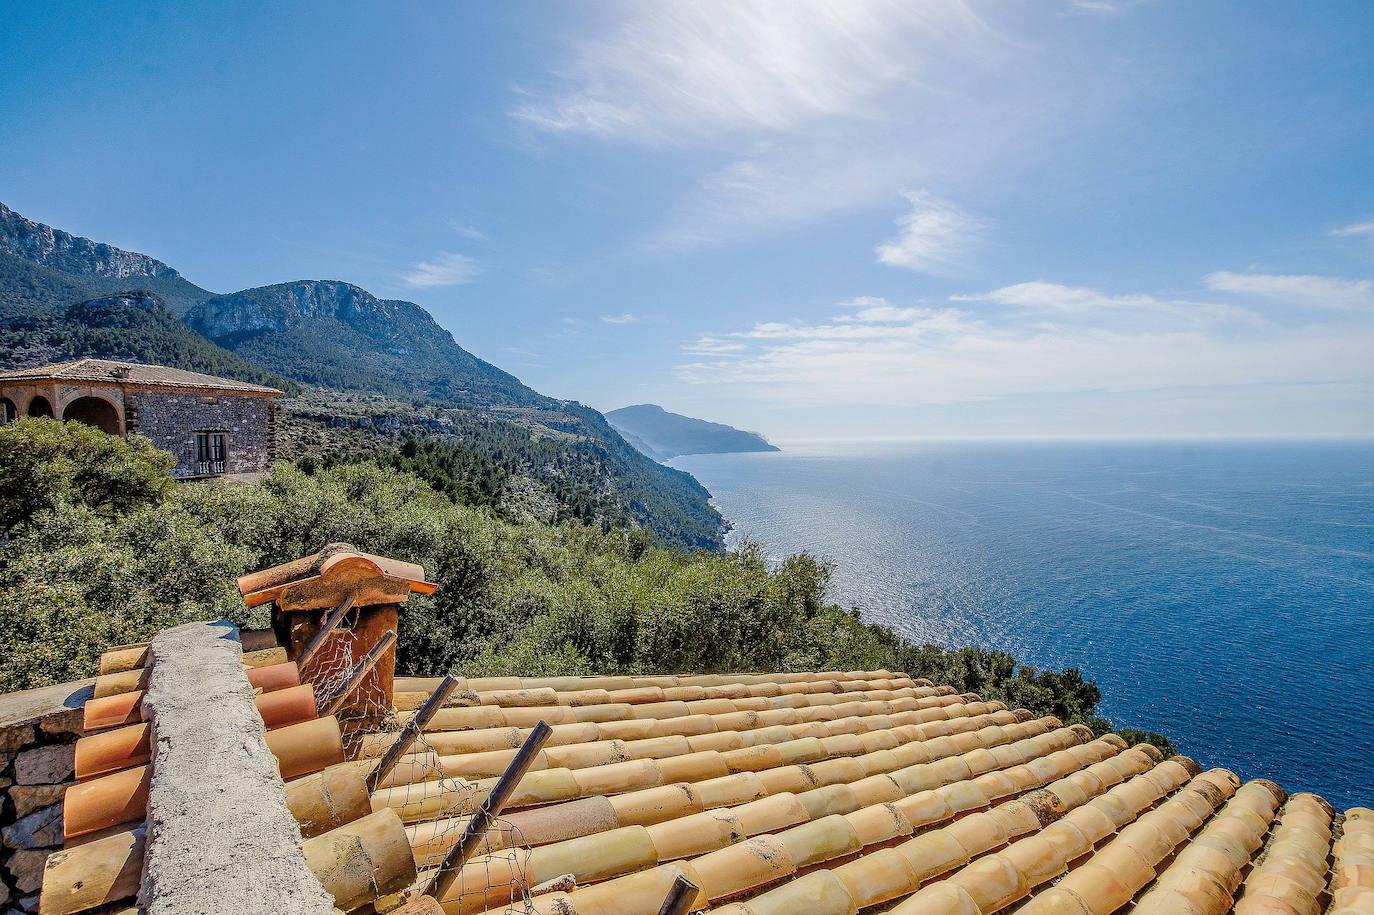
(337, 335)
(69, 253)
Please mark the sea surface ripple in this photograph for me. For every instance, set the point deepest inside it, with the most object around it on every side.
(1220, 592)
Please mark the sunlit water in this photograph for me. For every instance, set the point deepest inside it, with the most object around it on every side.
(1219, 592)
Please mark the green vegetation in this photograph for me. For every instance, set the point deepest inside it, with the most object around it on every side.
(388, 373)
(339, 336)
(100, 551)
(523, 464)
(46, 316)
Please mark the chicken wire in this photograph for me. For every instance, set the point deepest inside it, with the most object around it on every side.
(433, 805)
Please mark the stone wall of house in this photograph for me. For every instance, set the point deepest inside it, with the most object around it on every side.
(38, 733)
(170, 420)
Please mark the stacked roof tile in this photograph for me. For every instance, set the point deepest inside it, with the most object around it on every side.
(833, 792)
(135, 373)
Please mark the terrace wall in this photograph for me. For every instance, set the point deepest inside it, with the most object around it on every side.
(38, 733)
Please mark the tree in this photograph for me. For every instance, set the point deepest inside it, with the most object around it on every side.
(45, 464)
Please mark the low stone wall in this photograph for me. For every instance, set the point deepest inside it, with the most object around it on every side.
(38, 733)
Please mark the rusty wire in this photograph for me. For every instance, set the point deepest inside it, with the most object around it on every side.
(434, 805)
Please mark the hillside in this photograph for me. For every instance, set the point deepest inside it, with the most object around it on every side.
(102, 267)
(662, 435)
(339, 336)
(371, 379)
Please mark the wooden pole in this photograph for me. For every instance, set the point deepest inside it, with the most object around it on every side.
(491, 808)
(410, 732)
(680, 896)
(360, 671)
(329, 626)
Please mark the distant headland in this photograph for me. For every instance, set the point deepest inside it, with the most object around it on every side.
(662, 435)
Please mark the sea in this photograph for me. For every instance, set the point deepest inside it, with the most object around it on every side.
(1220, 592)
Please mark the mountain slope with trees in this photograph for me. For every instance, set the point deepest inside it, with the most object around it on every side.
(97, 548)
(366, 376)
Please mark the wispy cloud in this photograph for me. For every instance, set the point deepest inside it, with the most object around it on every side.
(467, 231)
(1358, 228)
(713, 346)
(934, 236)
(623, 318)
(1297, 289)
(1059, 301)
(873, 353)
(1102, 7)
(808, 108)
(446, 269)
(682, 72)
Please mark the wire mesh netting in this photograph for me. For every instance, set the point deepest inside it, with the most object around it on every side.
(434, 806)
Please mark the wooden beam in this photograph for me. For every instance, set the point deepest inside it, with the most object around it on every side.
(410, 732)
(360, 672)
(329, 626)
(492, 805)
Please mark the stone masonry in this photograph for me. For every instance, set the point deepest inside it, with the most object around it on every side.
(38, 733)
(170, 419)
(170, 407)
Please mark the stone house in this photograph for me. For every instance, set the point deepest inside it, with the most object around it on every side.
(214, 426)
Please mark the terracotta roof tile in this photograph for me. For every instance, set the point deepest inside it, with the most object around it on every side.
(832, 792)
(135, 373)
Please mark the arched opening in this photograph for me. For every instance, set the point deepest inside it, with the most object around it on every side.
(93, 411)
(8, 411)
(39, 406)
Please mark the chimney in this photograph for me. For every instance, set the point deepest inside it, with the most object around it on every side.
(307, 590)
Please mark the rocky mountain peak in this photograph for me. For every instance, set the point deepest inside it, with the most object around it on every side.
(53, 248)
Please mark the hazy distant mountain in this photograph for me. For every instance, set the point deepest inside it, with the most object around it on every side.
(63, 296)
(663, 435)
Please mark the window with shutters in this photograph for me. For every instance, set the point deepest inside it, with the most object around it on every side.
(211, 450)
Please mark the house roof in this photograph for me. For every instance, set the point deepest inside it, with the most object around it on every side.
(132, 373)
(826, 793)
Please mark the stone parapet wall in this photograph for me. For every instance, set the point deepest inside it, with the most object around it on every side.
(38, 733)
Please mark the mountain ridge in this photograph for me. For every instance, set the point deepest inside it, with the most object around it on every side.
(63, 296)
(105, 267)
(336, 334)
(663, 436)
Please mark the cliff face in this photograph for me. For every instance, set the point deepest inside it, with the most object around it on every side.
(337, 335)
(69, 253)
(288, 305)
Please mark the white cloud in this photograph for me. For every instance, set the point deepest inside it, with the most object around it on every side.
(1358, 228)
(624, 318)
(1102, 7)
(446, 269)
(935, 236)
(1060, 302)
(467, 231)
(876, 354)
(805, 108)
(685, 71)
(712, 346)
(1297, 289)
(1055, 297)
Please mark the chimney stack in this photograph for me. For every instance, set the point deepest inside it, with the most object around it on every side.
(307, 590)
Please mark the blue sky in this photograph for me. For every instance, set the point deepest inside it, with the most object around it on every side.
(847, 219)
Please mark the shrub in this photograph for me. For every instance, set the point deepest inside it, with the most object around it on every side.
(104, 551)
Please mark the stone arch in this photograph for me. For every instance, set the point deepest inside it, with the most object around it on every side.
(9, 411)
(40, 406)
(93, 411)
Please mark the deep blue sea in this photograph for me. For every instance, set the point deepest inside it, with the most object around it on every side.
(1220, 592)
